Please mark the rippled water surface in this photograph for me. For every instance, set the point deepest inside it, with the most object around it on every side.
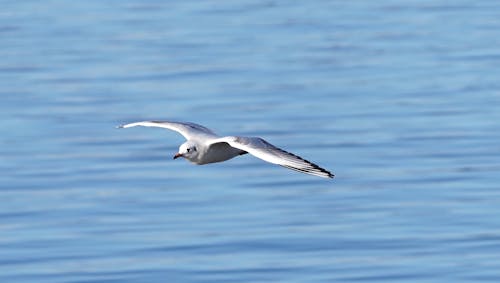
(400, 99)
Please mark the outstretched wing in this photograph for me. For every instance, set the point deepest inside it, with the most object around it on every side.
(188, 130)
(270, 153)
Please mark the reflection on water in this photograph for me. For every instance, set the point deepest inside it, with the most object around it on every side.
(399, 101)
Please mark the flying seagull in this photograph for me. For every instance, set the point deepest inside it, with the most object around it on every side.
(203, 146)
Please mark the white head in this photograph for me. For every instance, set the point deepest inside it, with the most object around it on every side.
(187, 150)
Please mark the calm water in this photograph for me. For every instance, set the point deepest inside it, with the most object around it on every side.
(400, 101)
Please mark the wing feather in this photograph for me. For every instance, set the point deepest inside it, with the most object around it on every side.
(264, 150)
(187, 130)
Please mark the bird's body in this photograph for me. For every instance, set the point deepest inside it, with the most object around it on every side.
(216, 153)
(203, 146)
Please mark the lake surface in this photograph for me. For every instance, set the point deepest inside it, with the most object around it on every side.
(401, 101)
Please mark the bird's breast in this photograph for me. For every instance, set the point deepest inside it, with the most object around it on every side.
(218, 153)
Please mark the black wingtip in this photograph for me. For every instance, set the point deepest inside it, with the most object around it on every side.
(319, 173)
(330, 175)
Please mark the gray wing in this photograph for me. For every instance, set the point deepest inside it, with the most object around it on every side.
(186, 129)
(264, 150)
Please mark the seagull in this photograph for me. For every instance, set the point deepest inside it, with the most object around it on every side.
(203, 146)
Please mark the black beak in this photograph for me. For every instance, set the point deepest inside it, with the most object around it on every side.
(177, 155)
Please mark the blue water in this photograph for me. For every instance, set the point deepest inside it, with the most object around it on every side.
(401, 100)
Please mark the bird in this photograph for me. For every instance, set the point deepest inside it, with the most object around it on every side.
(203, 146)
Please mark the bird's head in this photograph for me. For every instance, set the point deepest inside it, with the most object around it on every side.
(187, 150)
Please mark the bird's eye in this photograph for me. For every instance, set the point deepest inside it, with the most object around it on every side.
(188, 149)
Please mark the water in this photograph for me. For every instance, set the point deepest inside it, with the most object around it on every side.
(399, 100)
